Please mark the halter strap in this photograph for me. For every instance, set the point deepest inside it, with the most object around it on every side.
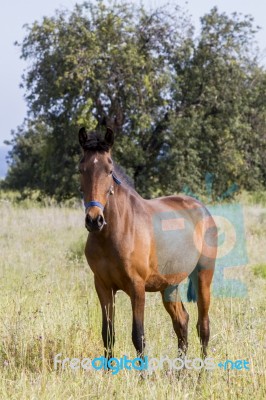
(95, 203)
(116, 179)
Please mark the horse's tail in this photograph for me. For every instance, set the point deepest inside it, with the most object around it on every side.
(191, 293)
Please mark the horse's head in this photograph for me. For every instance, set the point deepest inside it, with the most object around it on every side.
(96, 175)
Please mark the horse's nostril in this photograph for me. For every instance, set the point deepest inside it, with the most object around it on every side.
(94, 224)
(88, 220)
(100, 220)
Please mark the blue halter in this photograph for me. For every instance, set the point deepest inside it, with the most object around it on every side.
(94, 203)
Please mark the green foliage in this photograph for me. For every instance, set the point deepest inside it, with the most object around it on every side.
(34, 198)
(181, 106)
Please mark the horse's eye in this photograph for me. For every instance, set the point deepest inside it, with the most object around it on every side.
(110, 173)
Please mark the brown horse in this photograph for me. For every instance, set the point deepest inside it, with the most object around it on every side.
(139, 245)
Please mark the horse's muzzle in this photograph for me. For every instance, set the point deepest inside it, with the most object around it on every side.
(94, 224)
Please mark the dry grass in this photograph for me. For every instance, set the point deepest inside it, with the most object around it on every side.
(49, 306)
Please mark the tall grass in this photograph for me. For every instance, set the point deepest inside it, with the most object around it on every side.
(49, 306)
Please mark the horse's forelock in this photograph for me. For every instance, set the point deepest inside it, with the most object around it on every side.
(95, 142)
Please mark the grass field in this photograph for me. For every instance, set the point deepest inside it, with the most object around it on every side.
(49, 306)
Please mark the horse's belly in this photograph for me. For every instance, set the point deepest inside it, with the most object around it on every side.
(174, 243)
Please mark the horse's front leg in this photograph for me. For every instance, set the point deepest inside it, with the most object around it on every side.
(107, 299)
(137, 296)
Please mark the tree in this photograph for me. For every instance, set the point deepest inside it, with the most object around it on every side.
(214, 92)
(181, 107)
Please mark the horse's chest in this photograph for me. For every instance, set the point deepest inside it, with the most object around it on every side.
(105, 261)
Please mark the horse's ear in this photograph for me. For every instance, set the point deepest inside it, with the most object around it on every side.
(83, 136)
(109, 137)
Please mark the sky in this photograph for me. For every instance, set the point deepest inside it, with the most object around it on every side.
(16, 13)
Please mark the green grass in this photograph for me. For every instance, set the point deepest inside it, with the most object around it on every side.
(252, 198)
(260, 270)
(49, 306)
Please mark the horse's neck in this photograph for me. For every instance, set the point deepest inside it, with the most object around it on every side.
(120, 209)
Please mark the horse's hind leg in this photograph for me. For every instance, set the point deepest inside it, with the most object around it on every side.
(203, 300)
(202, 278)
(179, 315)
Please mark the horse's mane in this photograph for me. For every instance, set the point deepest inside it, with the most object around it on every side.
(121, 174)
(96, 142)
